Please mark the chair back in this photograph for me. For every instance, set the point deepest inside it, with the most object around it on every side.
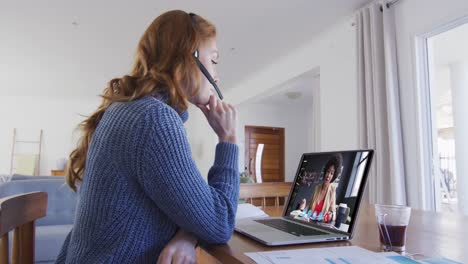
(19, 213)
(265, 190)
(62, 200)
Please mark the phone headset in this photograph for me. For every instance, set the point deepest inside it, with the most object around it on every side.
(202, 68)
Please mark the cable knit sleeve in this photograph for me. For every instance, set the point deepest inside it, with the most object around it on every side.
(169, 176)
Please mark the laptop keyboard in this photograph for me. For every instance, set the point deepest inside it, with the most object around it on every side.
(291, 228)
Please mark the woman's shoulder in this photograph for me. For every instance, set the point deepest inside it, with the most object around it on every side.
(147, 112)
(151, 102)
(158, 114)
(146, 105)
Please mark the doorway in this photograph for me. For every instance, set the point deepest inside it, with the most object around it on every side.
(444, 78)
(264, 153)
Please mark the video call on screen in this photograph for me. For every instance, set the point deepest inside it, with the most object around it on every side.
(326, 188)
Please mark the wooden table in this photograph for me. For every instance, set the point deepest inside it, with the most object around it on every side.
(429, 234)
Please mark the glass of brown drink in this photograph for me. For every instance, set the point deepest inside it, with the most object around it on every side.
(392, 221)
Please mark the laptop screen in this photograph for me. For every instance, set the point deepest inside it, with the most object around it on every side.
(328, 188)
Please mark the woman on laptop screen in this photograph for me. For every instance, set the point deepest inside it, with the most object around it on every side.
(323, 200)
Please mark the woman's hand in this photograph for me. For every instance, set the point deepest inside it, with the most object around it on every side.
(180, 250)
(222, 117)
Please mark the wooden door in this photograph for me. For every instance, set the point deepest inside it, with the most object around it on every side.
(271, 160)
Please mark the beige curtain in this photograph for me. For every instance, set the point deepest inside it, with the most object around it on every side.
(379, 105)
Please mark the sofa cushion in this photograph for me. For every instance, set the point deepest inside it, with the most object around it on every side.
(21, 177)
(49, 241)
(61, 201)
(5, 178)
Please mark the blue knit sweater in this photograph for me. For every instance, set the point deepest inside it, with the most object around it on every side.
(141, 185)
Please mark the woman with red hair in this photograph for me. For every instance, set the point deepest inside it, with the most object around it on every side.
(141, 196)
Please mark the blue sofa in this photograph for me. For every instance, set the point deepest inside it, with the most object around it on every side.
(52, 229)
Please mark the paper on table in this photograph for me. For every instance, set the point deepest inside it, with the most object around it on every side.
(329, 255)
(397, 258)
(247, 210)
(439, 260)
(423, 260)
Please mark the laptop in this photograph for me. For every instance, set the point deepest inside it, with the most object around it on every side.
(323, 203)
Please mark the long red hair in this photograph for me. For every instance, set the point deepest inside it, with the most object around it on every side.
(164, 64)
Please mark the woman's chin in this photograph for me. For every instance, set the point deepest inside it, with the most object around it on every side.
(206, 101)
(199, 101)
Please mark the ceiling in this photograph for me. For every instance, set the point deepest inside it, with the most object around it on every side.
(69, 47)
(297, 92)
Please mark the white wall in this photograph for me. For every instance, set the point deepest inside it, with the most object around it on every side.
(57, 116)
(294, 119)
(413, 18)
(202, 140)
(334, 51)
(297, 122)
